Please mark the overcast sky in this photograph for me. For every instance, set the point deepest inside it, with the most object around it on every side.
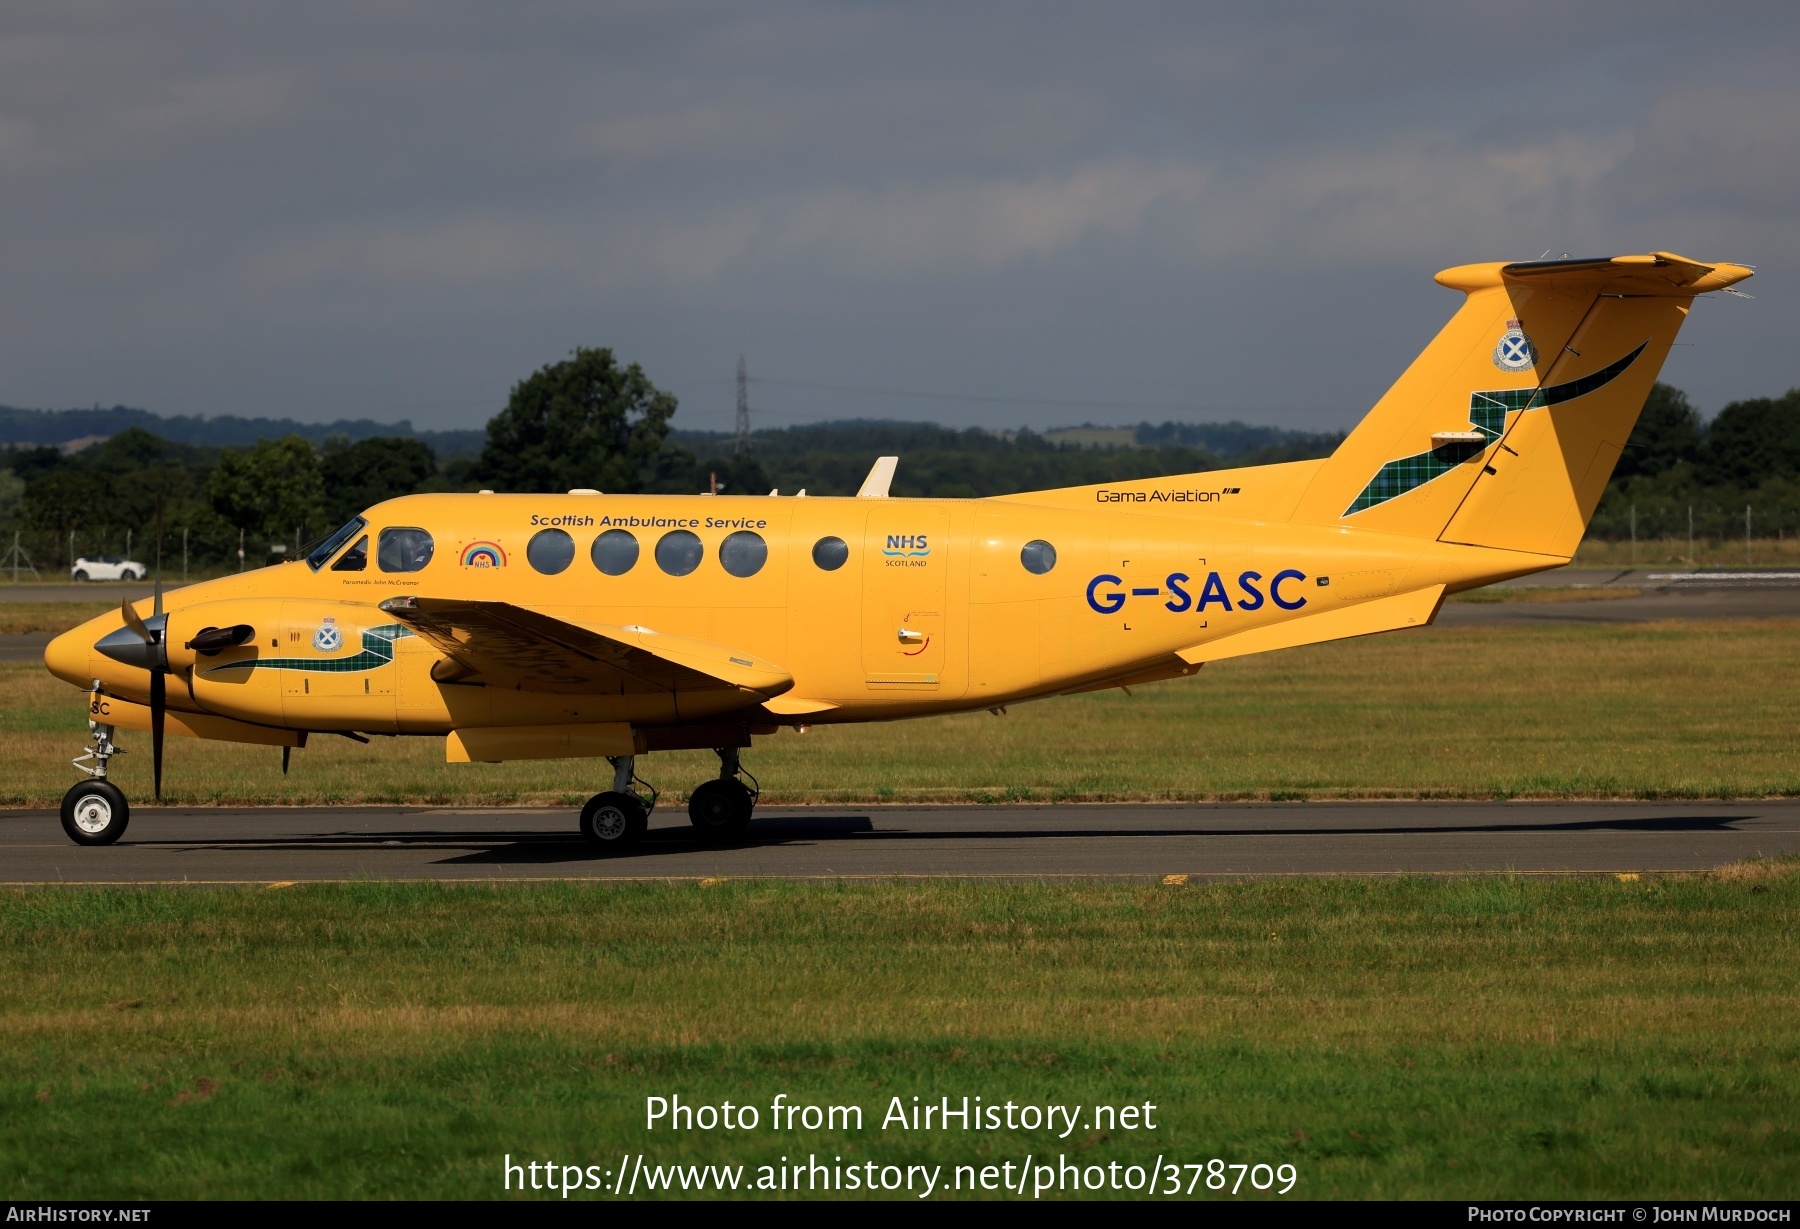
(1104, 212)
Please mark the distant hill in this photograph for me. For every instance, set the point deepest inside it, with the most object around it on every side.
(20, 428)
(31, 428)
(1220, 439)
(831, 458)
(1230, 439)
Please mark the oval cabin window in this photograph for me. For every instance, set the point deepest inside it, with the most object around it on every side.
(1038, 557)
(550, 551)
(403, 549)
(830, 554)
(679, 552)
(743, 553)
(615, 552)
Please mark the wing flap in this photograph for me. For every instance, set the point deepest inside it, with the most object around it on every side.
(499, 644)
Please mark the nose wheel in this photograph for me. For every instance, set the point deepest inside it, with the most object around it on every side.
(720, 809)
(95, 813)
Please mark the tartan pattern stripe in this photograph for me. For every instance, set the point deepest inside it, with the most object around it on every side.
(1487, 414)
(377, 650)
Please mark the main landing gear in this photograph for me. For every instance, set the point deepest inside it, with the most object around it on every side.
(720, 808)
(95, 811)
(616, 820)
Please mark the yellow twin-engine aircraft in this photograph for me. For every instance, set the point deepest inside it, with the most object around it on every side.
(587, 624)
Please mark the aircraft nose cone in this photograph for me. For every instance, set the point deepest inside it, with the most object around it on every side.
(127, 647)
(67, 657)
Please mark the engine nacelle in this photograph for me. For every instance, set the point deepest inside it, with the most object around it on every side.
(305, 664)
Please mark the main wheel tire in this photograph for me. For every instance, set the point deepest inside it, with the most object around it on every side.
(95, 813)
(721, 808)
(614, 822)
(81, 574)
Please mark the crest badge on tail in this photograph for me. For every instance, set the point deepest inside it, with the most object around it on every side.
(1514, 351)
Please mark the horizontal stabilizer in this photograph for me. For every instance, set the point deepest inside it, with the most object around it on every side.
(502, 645)
(1652, 273)
(1387, 614)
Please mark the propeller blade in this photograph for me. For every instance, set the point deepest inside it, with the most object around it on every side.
(285, 752)
(136, 624)
(159, 688)
(157, 608)
(158, 704)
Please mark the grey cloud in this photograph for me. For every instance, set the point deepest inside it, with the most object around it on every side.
(388, 208)
(1726, 149)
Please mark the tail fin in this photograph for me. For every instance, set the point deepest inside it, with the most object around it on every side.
(1505, 430)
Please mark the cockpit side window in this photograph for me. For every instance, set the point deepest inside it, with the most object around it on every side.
(355, 559)
(404, 549)
(329, 546)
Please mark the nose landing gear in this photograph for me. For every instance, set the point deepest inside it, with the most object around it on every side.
(720, 809)
(615, 821)
(95, 812)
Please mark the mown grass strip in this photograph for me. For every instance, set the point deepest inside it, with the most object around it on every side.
(1472, 1037)
(19, 618)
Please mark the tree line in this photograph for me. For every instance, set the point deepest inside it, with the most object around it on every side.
(592, 422)
(268, 500)
(1675, 464)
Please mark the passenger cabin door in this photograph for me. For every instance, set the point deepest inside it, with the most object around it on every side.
(906, 566)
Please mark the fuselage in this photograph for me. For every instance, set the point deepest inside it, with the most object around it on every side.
(877, 608)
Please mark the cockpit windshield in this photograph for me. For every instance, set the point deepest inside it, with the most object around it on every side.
(329, 547)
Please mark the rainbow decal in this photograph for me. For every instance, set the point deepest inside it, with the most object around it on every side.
(483, 555)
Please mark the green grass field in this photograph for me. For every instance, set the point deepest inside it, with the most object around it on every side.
(19, 618)
(1570, 710)
(1450, 1038)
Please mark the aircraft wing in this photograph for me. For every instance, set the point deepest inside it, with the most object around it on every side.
(503, 645)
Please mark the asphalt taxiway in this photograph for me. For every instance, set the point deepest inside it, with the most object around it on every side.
(279, 845)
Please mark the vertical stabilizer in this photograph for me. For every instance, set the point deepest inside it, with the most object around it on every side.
(1504, 431)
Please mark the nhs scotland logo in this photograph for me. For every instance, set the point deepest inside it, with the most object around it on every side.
(906, 546)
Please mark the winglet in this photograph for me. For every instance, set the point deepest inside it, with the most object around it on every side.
(881, 476)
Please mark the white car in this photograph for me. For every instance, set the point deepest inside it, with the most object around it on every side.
(107, 567)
